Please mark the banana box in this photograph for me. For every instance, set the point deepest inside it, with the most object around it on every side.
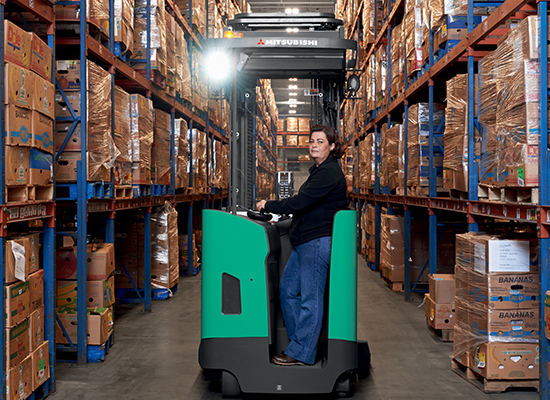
(42, 132)
(19, 84)
(17, 165)
(41, 57)
(62, 129)
(40, 365)
(17, 45)
(41, 168)
(36, 329)
(18, 126)
(506, 360)
(44, 96)
(19, 382)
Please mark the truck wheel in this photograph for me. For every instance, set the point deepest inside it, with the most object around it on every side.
(230, 385)
(343, 387)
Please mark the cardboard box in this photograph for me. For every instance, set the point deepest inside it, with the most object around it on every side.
(68, 74)
(65, 263)
(18, 259)
(17, 45)
(19, 84)
(506, 360)
(36, 287)
(44, 96)
(501, 325)
(17, 303)
(18, 126)
(442, 288)
(62, 129)
(42, 132)
(504, 291)
(122, 281)
(41, 59)
(17, 343)
(40, 365)
(98, 325)
(36, 329)
(98, 293)
(100, 262)
(439, 316)
(41, 168)
(63, 108)
(19, 380)
(17, 165)
(35, 250)
(66, 169)
(141, 175)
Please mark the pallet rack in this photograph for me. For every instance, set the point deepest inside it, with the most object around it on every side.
(107, 206)
(472, 208)
(15, 213)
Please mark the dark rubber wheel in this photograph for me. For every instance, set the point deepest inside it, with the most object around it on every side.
(343, 387)
(230, 385)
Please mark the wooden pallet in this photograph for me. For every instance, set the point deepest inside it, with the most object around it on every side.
(124, 192)
(445, 335)
(395, 286)
(490, 385)
(509, 194)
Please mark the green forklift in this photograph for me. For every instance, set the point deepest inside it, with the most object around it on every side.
(245, 252)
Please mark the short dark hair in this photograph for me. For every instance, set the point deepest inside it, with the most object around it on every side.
(332, 137)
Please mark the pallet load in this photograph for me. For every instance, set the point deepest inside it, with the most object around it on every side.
(164, 247)
(370, 84)
(123, 134)
(418, 147)
(371, 9)
(182, 66)
(366, 163)
(100, 293)
(397, 56)
(183, 245)
(414, 35)
(100, 146)
(496, 334)
(439, 305)
(392, 173)
(181, 151)
(124, 26)
(392, 250)
(381, 76)
(160, 152)
(198, 164)
(141, 114)
(67, 17)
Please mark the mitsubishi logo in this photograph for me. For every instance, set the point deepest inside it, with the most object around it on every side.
(261, 42)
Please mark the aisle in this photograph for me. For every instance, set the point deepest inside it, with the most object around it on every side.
(155, 355)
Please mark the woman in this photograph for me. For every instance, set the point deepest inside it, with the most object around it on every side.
(303, 282)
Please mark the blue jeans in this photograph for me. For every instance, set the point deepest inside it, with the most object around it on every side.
(301, 290)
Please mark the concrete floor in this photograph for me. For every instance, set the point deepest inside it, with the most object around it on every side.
(155, 354)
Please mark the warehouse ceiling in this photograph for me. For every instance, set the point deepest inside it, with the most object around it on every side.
(271, 6)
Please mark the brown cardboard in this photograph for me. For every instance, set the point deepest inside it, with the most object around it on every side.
(504, 291)
(19, 380)
(41, 168)
(42, 132)
(19, 84)
(68, 74)
(36, 289)
(62, 107)
(40, 365)
(100, 261)
(18, 126)
(36, 329)
(442, 288)
(123, 282)
(12, 265)
(506, 360)
(98, 325)
(439, 316)
(44, 96)
(17, 45)
(17, 338)
(65, 263)
(66, 168)
(17, 303)
(98, 293)
(17, 165)
(61, 131)
(41, 59)
(505, 324)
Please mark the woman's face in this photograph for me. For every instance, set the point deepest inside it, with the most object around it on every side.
(319, 147)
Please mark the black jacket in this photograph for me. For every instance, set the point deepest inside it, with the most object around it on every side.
(319, 198)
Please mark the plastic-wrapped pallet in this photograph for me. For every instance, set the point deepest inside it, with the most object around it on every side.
(123, 142)
(366, 166)
(141, 114)
(414, 34)
(164, 247)
(160, 157)
(292, 124)
(181, 150)
(124, 23)
(397, 60)
(487, 107)
(391, 165)
(182, 63)
(392, 250)
(157, 34)
(381, 76)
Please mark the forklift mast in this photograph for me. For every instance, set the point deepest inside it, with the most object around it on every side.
(279, 46)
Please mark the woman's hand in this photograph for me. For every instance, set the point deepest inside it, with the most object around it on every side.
(260, 205)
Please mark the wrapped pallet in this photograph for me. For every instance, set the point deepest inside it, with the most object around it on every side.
(366, 163)
(141, 114)
(392, 250)
(370, 84)
(124, 24)
(160, 155)
(181, 150)
(391, 163)
(486, 113)
(292, 124)
(414, 35)
(381, 76)
(397, 60)
(157, 33)
(164, 247)
(123, 142)
(182, 65)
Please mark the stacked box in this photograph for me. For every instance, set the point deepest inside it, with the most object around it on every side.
(366, 163)
(197, 162)
(182, 62)
(392, 167)
(440, 301)
(124, 24)
(157, 34)
(123, 135)
(160, 157)
(171, 70)
(141, 115)
(370, 23)
(97, 14)
(397, 82)
(100, 146)
(414, 35)
(370, 84)
(183, 246)
(292, 124)
(164, 247)
(381, 76)
(303, 124)
(392, 250)
(497, 300)
(181, 150)
(486, 113)
(348, 161)
(220, 166)
(99, 325)
(418, 145)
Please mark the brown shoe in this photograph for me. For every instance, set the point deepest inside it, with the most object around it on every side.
(283, 359)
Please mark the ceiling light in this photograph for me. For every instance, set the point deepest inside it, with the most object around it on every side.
(293, 94)
(293, 105)
(288, 11)
(293, 87)
(295, 11)
(288, 30)
(294, 30)
(292, 111)
(293, 79)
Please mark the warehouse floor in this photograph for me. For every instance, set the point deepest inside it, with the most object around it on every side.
(155, 354)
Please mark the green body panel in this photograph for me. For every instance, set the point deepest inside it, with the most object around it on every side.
(236, 246)
(343, 278)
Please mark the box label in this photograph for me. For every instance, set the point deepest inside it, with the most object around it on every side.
(508, 256)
